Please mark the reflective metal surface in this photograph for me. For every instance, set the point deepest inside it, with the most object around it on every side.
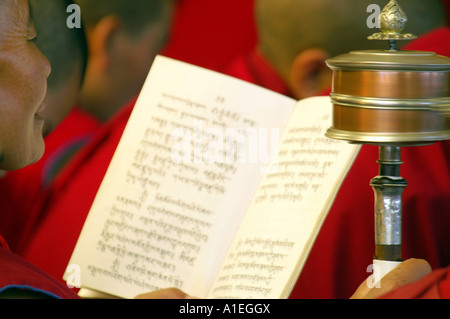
(390, 97)
(392, 23)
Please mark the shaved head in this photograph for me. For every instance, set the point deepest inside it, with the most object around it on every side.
(136, 15)
(64, 47)
(287, 27)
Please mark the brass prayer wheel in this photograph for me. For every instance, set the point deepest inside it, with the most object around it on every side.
(391, 98)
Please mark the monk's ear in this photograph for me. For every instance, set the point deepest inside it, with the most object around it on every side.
(309, 74)
(100, 39)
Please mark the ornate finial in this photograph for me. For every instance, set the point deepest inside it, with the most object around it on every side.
(392, 22)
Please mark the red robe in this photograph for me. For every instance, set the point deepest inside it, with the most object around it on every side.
(434, 286)
(15, 272)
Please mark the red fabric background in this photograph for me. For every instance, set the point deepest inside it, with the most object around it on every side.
(210, 33)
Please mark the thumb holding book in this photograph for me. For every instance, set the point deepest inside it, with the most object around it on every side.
(168, 293)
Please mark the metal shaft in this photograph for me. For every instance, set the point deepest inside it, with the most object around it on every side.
(388, 187)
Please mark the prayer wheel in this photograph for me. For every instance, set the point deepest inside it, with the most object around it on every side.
(391, 98)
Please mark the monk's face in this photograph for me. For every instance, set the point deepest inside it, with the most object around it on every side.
(23, 82)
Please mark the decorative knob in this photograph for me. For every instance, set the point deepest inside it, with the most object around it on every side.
(392, 23)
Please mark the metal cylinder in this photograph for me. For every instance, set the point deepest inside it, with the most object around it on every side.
(388, 188)
(390, 96)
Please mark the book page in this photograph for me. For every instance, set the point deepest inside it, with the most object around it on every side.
(288, 209)
(179, 182)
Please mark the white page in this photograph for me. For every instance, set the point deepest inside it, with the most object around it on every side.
(157, 222)
(288, 209)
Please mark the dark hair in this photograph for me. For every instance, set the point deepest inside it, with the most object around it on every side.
(136, 15)
(64, 47)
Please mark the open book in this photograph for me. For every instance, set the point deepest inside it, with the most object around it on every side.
(217, 187)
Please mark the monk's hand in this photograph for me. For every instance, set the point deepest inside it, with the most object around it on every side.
(405, 273)
(168, 293)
